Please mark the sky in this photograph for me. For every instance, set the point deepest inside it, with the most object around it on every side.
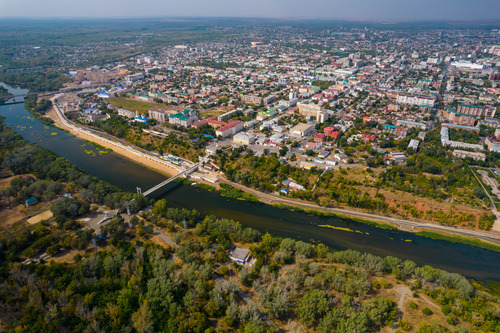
(369, 10)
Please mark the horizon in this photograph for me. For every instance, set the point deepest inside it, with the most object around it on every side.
(356, 10)
(243, 18)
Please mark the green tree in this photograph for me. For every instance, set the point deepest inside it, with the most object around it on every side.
(312, 305)
(142, 319)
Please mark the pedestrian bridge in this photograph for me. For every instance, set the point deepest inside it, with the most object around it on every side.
(168, 181)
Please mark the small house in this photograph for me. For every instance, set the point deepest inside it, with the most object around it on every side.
(31, 202)
(240, 255)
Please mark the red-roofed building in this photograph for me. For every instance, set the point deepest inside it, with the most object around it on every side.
(331, 132)
(222, 128)
(328, 130)
(313, 145)
(319, 137)
(368, 137)
(272, 144)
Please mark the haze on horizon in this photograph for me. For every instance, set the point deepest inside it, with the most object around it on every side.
(373, 10)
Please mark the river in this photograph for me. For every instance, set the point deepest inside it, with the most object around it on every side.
(127, 175)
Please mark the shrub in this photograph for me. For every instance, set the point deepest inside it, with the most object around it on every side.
(427, 312)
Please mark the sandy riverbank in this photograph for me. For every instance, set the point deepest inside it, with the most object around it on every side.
(159, 167)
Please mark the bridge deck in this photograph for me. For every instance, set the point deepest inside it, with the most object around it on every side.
(168, 181)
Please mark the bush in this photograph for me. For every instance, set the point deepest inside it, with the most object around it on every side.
(405, 326)
(413, 305)
(451, 320)
(427, 312)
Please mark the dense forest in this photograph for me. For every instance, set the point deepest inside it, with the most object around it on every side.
(36, 81)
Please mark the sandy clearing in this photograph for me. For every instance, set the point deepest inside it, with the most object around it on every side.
(167, 171)
(40, 217)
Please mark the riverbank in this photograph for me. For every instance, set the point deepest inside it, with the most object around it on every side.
(381, 221)
(368, 218)
(135, 157)
(461, 240)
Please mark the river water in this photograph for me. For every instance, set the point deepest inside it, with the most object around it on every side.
(127, 175)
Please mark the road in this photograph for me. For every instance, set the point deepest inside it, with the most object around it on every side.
(112, 141)
(404, 291)
(402, 224)
(165, 238)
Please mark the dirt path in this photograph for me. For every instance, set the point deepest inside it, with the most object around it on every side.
(404, 291)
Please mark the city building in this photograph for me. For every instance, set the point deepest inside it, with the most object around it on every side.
(319, 137)
(493, 143)
(467, 154)
(306, 165)
(411, 124)
(342, 157)
(452, 115)
(476, 110)
(419, 100)
(222, 128)
(301, 130)
(313, 110)
(414, 144)
(134, 77)
(126, 113)
(183, 118)
(159, 115)
(395, 158)
(243, 139)
(250, 99)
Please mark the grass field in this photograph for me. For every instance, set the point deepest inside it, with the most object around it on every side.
(136, 106)
(214, 112)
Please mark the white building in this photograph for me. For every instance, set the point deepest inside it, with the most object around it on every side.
(243, 139)
(301, 130)
(416, 99)
(414, 144)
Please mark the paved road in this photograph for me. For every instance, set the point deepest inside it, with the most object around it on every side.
(402, 224)
(165, 238)
(112, 141)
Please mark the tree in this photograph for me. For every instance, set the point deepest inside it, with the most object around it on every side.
(313, 305)
(160, 207)
(142, 319)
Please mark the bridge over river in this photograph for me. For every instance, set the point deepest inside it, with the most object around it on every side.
(168, 181)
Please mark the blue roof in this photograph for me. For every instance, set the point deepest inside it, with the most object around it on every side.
(91, 109)
(139, 118)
